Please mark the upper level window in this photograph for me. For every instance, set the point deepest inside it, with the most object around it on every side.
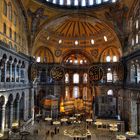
(76, 78)
(68, 2)
(109, 75)
(61, 2)
(114, 58)
(133, 41)
(85, 78)
(15, 19)
(15, 36)
(4, 28)
(110, 92)
(108, 59)
(4, 8)
(66, 78)
(137, 38)
(75, 92)
(91, 2)
(83, 2)
(10, 32)
(137, 24)
(38, 59)
(76, 2)
(54, 1)
(10, 11)
(105, 0)
(98, 1)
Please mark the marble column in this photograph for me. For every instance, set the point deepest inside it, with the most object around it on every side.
(15, 73)
(10, 72)
(5, 69)
(11, 115)
(3, 119)
(17, 117)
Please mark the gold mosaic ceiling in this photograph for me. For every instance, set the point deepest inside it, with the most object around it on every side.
(77, 30)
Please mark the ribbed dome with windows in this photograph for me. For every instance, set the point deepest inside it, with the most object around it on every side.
(77, 3)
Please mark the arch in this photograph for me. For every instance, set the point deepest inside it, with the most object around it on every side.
(21, 107)
(10, 98)
(110, 51)
(76, 51)
(45, 54)
(10, 59)
(110, 92)
(4, 57)
(64, 16)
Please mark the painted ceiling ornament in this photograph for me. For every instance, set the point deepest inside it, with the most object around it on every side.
(58, 53)
(35, 19)
(117, 14)
(94, 52)
(95, 73)
(57, 73)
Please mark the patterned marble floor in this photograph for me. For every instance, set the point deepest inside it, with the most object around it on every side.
(43, 127)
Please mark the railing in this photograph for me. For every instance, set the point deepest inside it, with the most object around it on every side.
(9, 86)
(132, 86)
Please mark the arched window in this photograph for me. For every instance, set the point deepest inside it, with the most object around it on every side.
(91, 2)
(137, 38)
(108, 59)
(114, 58)
(75, 91)
(85, 93)
(138, 73)
(4, 8)
(4, 28)
(54, 1)
(85, 78)
(10, 11)
(137, 24)
(105, 0)
(98, 1)
(68, 2)
(66, 92)
(109, 75)
(76, 2)
(133, 41)
(110, 92)
(83, 2)
(76, 78)
(133, 73)
(66, 78)
(38, 59)
(61, 2)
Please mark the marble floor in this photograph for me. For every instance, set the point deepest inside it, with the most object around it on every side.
(39, 131)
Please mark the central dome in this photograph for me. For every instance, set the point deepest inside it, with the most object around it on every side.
(77, 3)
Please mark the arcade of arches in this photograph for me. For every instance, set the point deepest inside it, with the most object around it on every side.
(59, 58)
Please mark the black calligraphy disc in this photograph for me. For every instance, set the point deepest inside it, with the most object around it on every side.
(57, 73)
(95, 73)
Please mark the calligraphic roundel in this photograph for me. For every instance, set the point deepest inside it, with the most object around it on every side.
(57, 73)
(95, 73)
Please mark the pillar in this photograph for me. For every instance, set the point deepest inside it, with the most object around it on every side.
(15, 73)
(5, 69)
(11, 114)
(10, 72)
(3, 119)
(17, 117)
